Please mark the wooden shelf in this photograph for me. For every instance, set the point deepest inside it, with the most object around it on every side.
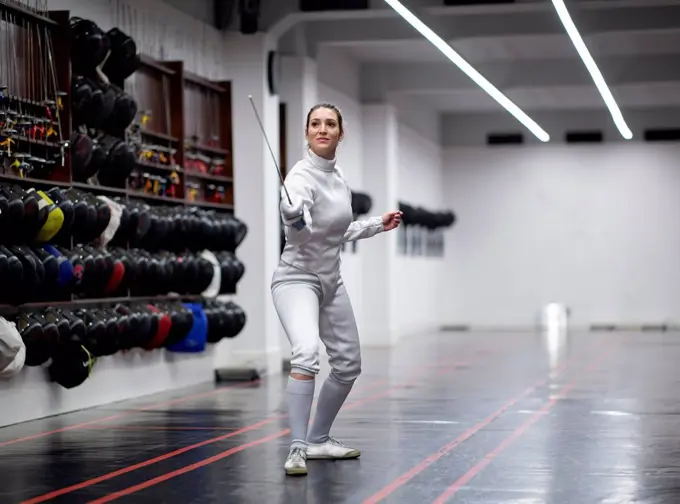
(207, 204)
(33, 181)
(158, 166)
(153, 197)
(6, 309)
(33, 141)
(192, 78)
(206, 148)
(210, 178)
(161, 137)
(185, 112)
(99, 189)
(23, 14)
(155, 65)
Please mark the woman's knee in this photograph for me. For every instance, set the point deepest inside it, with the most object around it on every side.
(305, 359)
(347, 370)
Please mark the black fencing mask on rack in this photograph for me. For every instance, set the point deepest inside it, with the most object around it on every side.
(361, 203)
(71, 365)
(81, 154)
(119, 161)
(123, 59)
(89, 45)
(122, 114)
(81, 100)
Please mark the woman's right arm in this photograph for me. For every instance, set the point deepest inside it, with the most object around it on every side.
(302, 198)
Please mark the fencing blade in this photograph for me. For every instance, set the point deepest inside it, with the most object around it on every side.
(300, 223)
(264, 133)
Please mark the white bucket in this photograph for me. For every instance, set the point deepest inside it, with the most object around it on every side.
(554, 328)
(554, 317)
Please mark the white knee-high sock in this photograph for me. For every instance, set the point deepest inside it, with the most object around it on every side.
(300, 398)
(332, 397)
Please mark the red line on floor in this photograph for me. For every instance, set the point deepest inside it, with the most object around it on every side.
(151, 406)
(424, 464)
(79, 486)
(159, 428)
(123, 414)
(489, 457)
(124, 470)
(183, 470)
(186, 469)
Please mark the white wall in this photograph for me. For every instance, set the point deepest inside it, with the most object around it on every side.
(159, 30)
(595, 227)
(256, 198)
(471, 129)
(381, 178)
(137, 373)
(415, 304)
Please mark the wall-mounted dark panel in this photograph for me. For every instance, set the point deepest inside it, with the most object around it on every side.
(325, 5)
(223, 11)
(249, 10)
(662, 135)
(504, 139)
(583, 137)
(477, 2)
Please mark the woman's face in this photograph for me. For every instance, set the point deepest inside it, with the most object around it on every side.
(323, 132)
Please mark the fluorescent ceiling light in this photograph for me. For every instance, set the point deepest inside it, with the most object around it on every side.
(583, 52)
(478, 78)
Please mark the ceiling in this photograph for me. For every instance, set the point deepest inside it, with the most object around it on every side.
(521, 48)
(514, 47)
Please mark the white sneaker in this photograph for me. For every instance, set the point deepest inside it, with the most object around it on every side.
(296, 463)
(331, 449)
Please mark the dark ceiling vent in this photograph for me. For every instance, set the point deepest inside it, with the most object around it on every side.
(477, 2)
(332, 5)
(662, 135)
(505, 139)
(583, 137)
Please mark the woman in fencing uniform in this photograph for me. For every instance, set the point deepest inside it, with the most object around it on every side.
(309, 293)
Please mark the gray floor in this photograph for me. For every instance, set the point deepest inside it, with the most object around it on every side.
(470, 418)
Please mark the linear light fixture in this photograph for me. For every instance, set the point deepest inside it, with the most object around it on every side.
(478, 78)
(587, 59)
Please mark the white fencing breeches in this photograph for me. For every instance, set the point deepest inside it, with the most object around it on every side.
(312, 308)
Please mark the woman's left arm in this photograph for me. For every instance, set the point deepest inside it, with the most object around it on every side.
(360, 229)
(365, 228)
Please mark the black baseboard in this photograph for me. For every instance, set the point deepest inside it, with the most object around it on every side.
(237, 375)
